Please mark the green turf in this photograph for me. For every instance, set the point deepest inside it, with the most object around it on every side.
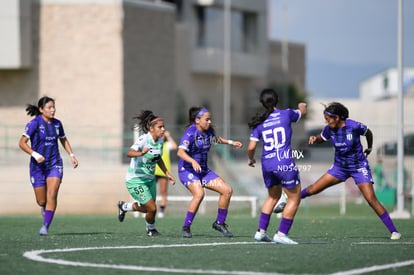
(329, 243)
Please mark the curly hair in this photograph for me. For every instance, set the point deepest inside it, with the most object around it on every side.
(336, 109)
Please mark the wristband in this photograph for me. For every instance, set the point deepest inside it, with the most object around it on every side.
(229, 141)
(36, 155)
(72, 155)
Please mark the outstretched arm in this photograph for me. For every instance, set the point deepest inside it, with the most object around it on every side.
(235, 143)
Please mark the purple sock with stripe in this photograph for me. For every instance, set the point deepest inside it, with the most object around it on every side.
(189, 218)
(221, 215)
(285, 225)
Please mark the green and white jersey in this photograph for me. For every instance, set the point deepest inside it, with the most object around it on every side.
(143, 167)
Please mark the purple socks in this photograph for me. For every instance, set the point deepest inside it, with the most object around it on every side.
(47, 219)
(385, 218)
(221, 215)
(264, 221)
(303, 193)
(189, 219)
(285, 225)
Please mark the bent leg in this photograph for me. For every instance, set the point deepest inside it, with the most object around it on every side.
(368, 192)
(325, 181)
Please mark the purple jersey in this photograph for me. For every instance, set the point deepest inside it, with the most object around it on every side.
(347, 143)
(196, 144)
(275, 133)
(44, 140)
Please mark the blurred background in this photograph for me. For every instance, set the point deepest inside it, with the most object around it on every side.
(106, 60)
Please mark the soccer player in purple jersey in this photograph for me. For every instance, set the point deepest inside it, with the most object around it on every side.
(46, 166)
(194, 172)
(273, 128)
(350, 159)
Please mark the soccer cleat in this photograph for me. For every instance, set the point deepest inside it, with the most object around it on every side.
(43, 231)
(160, 215)
(222, 228)
(121, 212)
(279, 208)
(262, 237)
(395, 236)
(281, 238)
(153, 233)
(186, 231)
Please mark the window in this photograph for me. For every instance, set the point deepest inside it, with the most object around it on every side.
(210, 29)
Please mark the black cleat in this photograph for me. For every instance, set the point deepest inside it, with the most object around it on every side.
(121, 212)
(186, 232)
(222, 228)
(153, 233)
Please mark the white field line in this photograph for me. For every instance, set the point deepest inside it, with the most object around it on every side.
(36, 255)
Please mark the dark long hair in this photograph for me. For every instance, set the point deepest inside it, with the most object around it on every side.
(33, 110)
(147, 119)
(269, 100)
(334, 109)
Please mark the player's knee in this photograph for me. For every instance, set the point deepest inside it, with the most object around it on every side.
(41, 202)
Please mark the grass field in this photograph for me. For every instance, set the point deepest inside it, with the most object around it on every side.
(328, 244)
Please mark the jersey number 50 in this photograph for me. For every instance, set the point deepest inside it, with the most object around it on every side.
(274, 138)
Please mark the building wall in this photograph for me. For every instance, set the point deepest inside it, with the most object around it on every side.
(385, 84)
(148, 62)
(77, 58)
(296, 64)
(106, 60)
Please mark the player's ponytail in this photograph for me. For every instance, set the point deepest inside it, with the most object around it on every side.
(33, 110)
(269, 100)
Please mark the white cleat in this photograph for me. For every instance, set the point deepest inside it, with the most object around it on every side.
(395, 236)
(262, 237)
(43, 231)
(281, 238)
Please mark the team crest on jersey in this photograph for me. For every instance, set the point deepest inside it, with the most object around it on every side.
(349, 136)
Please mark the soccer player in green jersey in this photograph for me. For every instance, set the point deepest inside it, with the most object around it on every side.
(145, 154)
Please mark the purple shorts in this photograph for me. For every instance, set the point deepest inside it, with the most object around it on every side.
(360, 175)
(287, 178)
(39, 175)
(189, 176)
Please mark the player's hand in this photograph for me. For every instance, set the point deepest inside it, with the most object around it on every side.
(38, 157)
(196, 166)
(170, 177)
(312, 139)
(237, 144)
(144, 151)
(75, 162)
(367, 151)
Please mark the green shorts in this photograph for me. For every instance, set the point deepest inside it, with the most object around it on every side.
(142, 190)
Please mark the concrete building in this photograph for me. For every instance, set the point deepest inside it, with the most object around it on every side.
(106, 60)
(385, 84)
